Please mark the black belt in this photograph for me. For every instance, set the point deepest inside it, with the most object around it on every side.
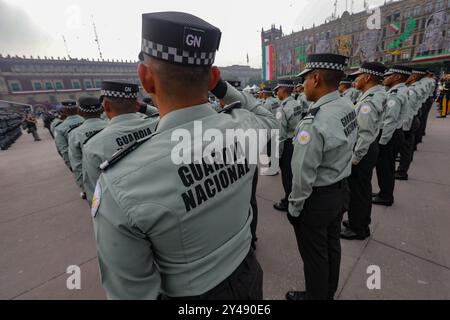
(337, 185)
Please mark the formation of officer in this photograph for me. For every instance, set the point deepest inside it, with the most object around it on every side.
(10, 129)
(170, 225)
(61, 131)
(90, 109)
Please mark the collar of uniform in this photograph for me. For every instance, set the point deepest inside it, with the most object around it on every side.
(288, 99)
(326, 98)
(92, 120)
(124, 117)
(75, 116)
(397, 86)
(371, 90)
(185, 115)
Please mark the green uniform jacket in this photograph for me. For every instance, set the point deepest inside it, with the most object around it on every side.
(77, 137)
(395, 103)
(176, 229)
(272, 104)
(54, 123)
(304, 103)
(323, 148)
(289, 116)
(120, 132)
(61, 136)
(370, 110)
(352, 94)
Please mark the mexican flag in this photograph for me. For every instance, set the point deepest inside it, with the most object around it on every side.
(394, 26)
(267, 71)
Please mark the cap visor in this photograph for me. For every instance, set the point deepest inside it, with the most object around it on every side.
(276, 88)
(388, 73)
(304, 72)
(355, 74)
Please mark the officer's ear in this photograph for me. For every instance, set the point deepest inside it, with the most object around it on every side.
(146, 77)
(214, 77)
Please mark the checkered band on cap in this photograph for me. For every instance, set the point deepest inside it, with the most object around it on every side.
(375, 73)
(176, 55)
(325, 65)
(119, 94)
(285, 85)
(393, 70)
(90, 109)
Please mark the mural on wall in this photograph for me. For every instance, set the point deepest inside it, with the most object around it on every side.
(435, 30)
(343, 45)
(368, 45)
(405, 39)
(285, 62)
(323, 45)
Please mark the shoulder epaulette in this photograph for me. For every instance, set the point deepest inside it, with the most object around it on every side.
(85, 141)
(154, 115)
(311, 114)
(228, 108)
(395, 91)
(123, 152)
(74, 127)
(58, 124)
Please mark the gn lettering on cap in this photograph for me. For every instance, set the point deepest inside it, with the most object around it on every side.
(179, 38)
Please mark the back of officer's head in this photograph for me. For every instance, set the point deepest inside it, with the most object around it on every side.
(177, 54)
(117, 106)
(320, 82)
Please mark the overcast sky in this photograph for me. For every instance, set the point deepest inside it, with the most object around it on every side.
(34, 27)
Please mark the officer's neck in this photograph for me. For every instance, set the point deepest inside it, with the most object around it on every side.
(321, 92)
(368, 86)
(396, 83)
(167, 104)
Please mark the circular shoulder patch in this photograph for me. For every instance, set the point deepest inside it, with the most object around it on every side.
(391, 103)
(303, 137)
(365, 109)
(96, 199)
(278, 115)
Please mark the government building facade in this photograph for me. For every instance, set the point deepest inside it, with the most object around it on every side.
(413, 32)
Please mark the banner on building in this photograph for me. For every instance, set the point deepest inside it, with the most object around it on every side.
(267, 70)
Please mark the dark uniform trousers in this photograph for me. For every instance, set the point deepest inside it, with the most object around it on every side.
(424, 119)
(407, 148)
(318, 238)
(254, 206)
(386, 165)
(286, 168)
(245, 283)
(360, 184)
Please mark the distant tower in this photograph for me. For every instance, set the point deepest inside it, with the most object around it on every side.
(268, 39)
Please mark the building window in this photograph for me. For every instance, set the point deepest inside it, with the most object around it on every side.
(14, 86)
(59, 85)
(98, 83)
(448, 4)
(420, 38)
(417, 11)
(439, 5)
(87, 84)
(414, 40)
(37, 86)
(48, 85)
(76, 84)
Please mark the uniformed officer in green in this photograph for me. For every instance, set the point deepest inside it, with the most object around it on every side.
(301, 97)
(391, 136)
(271, 103)
(321, 163)
(417, 95)
(369, 110)
(348, 91)
(289, 115)
(90, 109)
(181, 227)
(57, 121)
(73, 120)
(126, 125)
